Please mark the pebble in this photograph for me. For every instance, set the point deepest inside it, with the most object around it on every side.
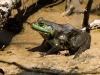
(52, 64)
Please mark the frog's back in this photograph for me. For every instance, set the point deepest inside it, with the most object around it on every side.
(60, 27)
(67, 28)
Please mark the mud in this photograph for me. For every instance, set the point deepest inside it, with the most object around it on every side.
(22, 56)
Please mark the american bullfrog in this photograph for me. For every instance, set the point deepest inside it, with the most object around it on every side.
(61, 37)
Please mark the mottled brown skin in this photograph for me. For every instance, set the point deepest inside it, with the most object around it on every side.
(64, 36)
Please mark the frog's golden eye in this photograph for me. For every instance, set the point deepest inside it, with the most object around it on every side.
(41, 23)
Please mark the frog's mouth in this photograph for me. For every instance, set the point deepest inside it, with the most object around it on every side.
(43, 28)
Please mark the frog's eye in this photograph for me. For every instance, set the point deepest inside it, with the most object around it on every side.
(41, 23)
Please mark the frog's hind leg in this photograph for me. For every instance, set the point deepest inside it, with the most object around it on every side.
(83, 48)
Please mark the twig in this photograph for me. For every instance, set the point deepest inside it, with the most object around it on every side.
(86, 15)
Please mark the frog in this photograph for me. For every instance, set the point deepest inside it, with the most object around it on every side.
(61, 37)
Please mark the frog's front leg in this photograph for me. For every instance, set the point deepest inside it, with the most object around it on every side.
(55, 47)
(45, 46)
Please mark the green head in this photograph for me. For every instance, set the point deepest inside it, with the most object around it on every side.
(42, 27)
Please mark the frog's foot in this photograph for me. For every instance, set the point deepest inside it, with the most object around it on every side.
(78, 53)
(43, 54)
(67, 54)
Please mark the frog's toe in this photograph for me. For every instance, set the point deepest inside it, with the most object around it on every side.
(76, 55)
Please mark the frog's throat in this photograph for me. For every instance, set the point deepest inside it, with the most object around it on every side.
(45, 29)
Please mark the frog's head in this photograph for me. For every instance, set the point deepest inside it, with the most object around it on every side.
(41, 26)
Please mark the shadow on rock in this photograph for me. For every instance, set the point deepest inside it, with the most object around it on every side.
(39, 49)
(37, 71)
(5, 38)
(47, 71)
(42, 71)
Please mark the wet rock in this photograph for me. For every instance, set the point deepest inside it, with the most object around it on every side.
(9, 51)
(72, 63)
(52, 64)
